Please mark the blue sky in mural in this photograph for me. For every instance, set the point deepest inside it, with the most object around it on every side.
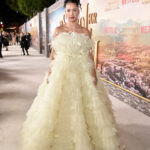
(55, 18)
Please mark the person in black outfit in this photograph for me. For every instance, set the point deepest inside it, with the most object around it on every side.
(1, 39)
(17, 38)
(10, 38)
(29, 38)
(6, 40)
(24, 43)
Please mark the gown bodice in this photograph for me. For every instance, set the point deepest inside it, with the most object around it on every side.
(72, 44)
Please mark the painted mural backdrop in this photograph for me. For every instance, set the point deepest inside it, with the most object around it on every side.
(29, 26)
(123, 28)
(43, 30)
(22, 28)
(54, 20)
(32, 28)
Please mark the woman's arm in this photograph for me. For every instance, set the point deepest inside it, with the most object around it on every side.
(94, 69)
(52, 54)
(92, 58)
(51, 59)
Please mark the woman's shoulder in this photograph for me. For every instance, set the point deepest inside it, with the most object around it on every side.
(58, 30)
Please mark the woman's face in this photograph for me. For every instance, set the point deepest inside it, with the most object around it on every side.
(72, 12)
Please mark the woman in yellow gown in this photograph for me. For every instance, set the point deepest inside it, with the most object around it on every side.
(72, 110)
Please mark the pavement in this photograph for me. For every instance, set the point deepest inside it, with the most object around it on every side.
(20, 77)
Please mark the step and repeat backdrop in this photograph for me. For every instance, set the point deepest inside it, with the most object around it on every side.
(121, 32)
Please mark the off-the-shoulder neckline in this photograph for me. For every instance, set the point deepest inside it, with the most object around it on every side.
(69, 33)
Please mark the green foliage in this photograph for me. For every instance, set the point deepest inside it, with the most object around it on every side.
(29, 7)
(13, 4)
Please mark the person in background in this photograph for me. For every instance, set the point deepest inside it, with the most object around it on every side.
(10, 38)
(17, 38)
(24, 44)
(5, 40)
(14, 38)
(1, 38)
(29, 38)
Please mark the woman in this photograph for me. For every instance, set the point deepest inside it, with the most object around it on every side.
(72, 110)
(17, 38)
(10, 38)
(5, 40)
(14, 38)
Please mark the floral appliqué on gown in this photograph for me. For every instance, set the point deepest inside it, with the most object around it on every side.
(71, 112)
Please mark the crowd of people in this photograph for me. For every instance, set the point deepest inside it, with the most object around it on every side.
(13, 38)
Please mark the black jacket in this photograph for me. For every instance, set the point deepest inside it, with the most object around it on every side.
(5, 40)
(25, 43)
(1, 38)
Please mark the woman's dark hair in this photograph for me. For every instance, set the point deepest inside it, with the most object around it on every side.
(77, 2)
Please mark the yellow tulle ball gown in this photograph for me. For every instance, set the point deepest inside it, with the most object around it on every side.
(71, 112)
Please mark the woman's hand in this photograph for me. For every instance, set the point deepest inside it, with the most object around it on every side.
(47, 81)
(51, 57)
(94, 69)
(49, 72)
(94, 75)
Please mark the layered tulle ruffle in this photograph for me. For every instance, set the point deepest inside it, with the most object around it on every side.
(71, 113)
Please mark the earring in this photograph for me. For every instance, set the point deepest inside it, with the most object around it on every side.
(65, 18)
